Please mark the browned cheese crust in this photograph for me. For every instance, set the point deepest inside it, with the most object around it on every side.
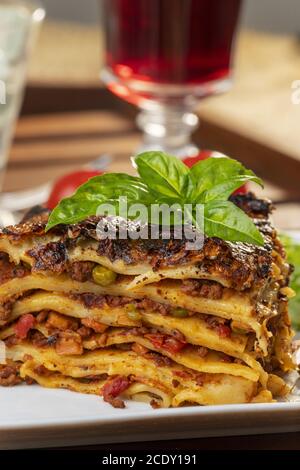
(242, 265)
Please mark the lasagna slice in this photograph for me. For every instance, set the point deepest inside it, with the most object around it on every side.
(145, 319)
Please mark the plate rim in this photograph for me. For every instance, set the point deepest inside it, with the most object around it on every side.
(159, 414)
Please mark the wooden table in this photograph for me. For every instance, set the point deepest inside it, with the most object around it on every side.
(255, 122)
(46, 147)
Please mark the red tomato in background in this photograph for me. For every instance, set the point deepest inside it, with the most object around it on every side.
(67, 185)
(190, 161)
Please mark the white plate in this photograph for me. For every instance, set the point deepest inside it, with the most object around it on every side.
(31, 416)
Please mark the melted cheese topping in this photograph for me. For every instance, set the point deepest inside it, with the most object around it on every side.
(87, 251)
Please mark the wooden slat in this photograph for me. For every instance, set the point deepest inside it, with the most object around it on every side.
(280, 168)
(72, 124)
(46, 147)
(28, 176)
(257, 117)
(80, 149)
(256, 121)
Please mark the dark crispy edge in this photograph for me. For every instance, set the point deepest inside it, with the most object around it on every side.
(241, 264)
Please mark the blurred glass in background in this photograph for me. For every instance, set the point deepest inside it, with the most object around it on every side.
(164, 56)
(18, 27)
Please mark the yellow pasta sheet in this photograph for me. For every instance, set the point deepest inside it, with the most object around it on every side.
(215, 388)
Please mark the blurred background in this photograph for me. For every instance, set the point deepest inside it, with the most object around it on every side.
(69, 118)
(267, 15)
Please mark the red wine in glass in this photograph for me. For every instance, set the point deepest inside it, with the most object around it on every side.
(162, 55)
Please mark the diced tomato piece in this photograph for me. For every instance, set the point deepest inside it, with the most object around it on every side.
(173, 345)
(182, 374)
(95, 325)
(224, 331)
(139, 349)
(166, 342)
(114, 387)
(24, 324)
(156, 339)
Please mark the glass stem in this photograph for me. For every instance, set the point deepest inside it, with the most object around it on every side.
(168, 129)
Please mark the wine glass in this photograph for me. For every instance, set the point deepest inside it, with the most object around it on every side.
(19, 22)
(164, 56)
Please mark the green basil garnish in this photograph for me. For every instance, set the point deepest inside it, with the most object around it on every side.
(226, 218)
(165, 179)
(218, 178)
(98, 190)
(293, 255)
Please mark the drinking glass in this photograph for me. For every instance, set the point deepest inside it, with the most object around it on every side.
(18, 24)
(164, 56)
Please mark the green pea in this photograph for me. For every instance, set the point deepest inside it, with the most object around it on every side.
(238, 331)
(179, 312)
(103, 276)
(132, 312)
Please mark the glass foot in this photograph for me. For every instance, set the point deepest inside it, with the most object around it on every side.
(168, 130)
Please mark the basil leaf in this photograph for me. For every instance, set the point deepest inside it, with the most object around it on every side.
(164, 174)
(98, 190)
(292, 248)
(208, 174)
(225, 220)
(71, 210)
(165, 179)
(223, 190)
(113, 185)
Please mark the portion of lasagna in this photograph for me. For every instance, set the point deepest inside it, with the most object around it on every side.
(145, 319)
